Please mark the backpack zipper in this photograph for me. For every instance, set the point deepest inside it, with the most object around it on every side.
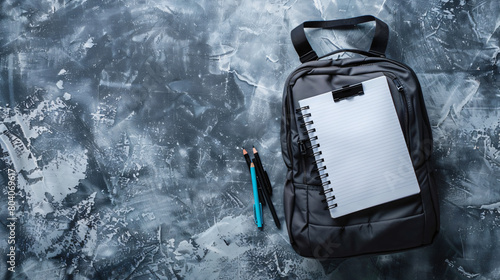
(302, 147)
(406, 105)
(288, 113)
(407, 111)
(287, 127)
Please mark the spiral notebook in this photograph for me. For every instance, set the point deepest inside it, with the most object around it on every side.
(359, 147)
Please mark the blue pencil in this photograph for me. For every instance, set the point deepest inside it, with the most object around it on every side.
(257, 207)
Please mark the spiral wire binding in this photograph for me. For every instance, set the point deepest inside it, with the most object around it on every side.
(298, 110)
(304, 116)
(307, 123)
(323, 177)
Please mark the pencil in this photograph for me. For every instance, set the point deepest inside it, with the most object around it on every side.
(258, 205)
(247, 158)
(271, 208)
(260, 172)
(259, 183)
(267, 195)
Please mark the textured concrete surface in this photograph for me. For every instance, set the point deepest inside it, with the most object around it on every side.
(122, 124)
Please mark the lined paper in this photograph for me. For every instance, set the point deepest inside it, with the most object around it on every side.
(363, 148)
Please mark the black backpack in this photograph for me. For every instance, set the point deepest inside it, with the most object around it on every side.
(398, 225)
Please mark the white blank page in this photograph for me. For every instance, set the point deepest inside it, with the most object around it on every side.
(363, 148)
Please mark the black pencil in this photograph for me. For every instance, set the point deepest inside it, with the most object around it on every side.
(271, 208)
(260, 170)
(247, 158)
(268, 182)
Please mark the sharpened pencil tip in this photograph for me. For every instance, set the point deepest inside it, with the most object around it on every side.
(254, 150)
(245, 151)
(252, 165)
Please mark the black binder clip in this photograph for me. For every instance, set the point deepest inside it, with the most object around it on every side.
(347, 91)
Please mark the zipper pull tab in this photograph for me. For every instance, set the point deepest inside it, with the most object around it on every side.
(302, 147)
(399, 86)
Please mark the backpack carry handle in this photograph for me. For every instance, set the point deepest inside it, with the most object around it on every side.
(305, 51)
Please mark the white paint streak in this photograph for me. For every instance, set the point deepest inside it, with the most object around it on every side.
(60, 84)
(49, 184)
(319, 7)
(491, 207)
(89, 44)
